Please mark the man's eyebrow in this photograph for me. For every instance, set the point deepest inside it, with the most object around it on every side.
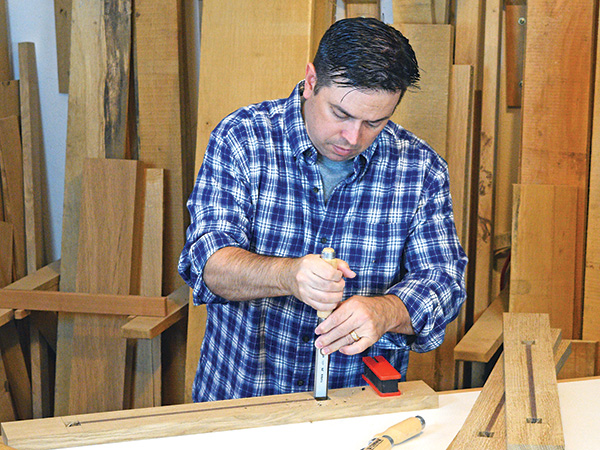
(347, 114)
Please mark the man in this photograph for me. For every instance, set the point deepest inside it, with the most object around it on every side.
(283, 179)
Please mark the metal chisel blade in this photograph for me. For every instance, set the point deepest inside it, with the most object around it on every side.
(321, 374)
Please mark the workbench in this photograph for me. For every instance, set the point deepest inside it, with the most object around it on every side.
(579, 402)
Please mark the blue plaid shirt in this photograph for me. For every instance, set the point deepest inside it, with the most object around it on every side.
(259, 188)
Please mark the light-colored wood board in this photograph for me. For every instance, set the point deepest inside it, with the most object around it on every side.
(484, 338)
(159, 117)
(425, 111)
(62, 22)
(591, 301)
(40, 375)
(212, 416)
(44, 279)
(469, 18)
(9, 98)
(75, 302)
(6, 315)
(33, 148)
(362, 8)
(7, 412)
(582, 362)
(411, 11)
(5, 62)
(16, 370)
(152, 235)
(459, 153)
(11, 169)
(6, 253)
(147, 380)
(544, 252)
(196, 330)
(323, 15)
(530, 383)
(96, 118)
(486, 175)
(91, 353)
(556, 108)
(514, 49)
(485, 426)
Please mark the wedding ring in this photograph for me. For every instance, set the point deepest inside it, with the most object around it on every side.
(354, 336)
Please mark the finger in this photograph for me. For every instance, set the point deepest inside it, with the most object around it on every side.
(345, 269)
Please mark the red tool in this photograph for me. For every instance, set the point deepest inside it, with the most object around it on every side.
(381, 376)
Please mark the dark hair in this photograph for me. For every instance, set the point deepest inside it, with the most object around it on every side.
(365, 53)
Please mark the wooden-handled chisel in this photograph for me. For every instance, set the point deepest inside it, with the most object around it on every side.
(397, 434)
(321, 360)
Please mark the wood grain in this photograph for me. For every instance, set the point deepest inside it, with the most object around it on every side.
(469, 37)
(9, 98)
(5, 62)
(16, 370)
(33, 149)
(212, 416)
(416, 12)
(62, 24)
(425, 111)
(530, 384)
(96, 122)
(559, 56)
(362, 8)
(543, 256)
(582, 362)
(516, 27)
(11, 169)
(7, 412)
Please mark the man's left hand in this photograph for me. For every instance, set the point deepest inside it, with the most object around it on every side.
(359, 322)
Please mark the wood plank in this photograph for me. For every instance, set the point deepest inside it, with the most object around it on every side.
(533, 418)
(99, 61)
(9, 98)
(212, 416)
(11, 168)
(159, 121)
(75, 302)
(5, 62)
(362, 8)
(62, 23)
(6, 315)
(469, 37)
(6, 253)
(425, 112)
(7, 412)
(40, 374)
(33, 149)
(411, 11)
(515, 26)
(91, 353)
(44, 279)
(485, 426)
(591, 301)
(16, 370)
(484, 338)
(543, 256)
(559, 57)
(582, 362)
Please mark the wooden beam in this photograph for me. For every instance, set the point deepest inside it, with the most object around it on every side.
(62, 23)
(514, 45)
(212, 416)
(533, 417)
(543, 256)
(75, 302)
(33, 149)
(44, 279)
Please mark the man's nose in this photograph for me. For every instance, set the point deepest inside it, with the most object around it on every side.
(352, 132)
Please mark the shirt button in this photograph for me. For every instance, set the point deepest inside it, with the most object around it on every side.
(315, 189)
(306, 338)
(300, 383)
(323, 240)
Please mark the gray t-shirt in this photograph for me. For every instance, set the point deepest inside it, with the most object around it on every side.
(332, 172)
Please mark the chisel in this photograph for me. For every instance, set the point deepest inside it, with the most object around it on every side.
(321, 360)
(397, 434)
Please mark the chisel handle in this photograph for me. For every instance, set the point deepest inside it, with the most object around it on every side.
(397, 434)
(328, 254)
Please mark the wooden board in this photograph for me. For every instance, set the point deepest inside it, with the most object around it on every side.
(229, 59)
(91, 352)
(44, 279)
(62, 23)
(99, 62)
(533, 418)
(11, 168)
(591, 301)
(544, 252)
(515, 26)
(425, 111)
(33, 149)
(9, 98)
(411, 11)
(16, 370)
(362, 8)
(469, 37)
(6, 253)
(159, 117)
(7, 412)
(582, 362)
(556, 108)
(212, 416)
(5, 62)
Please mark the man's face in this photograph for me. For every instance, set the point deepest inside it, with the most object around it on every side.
(343, 121)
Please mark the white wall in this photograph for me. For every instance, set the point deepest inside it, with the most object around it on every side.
(33, 21)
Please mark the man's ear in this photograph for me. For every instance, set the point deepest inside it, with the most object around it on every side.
(310, 80)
